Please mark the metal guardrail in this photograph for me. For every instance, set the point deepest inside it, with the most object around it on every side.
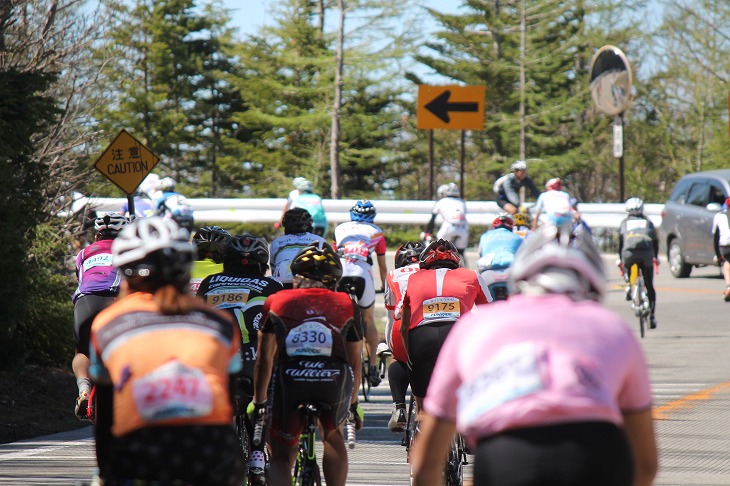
(479, 213)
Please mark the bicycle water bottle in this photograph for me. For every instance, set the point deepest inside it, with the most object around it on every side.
(350, 429)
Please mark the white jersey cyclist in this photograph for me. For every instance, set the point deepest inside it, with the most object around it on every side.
(356, 241)
(452, 210)
(553, 204)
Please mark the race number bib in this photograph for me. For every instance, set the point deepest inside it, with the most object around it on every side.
(309, 339)
(228, 298)
(441, 308)
(100, 260)
(358, 251)
(173, 390)
(512, 373)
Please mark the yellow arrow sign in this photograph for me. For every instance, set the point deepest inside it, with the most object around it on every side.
(126, 162)
(451, 107)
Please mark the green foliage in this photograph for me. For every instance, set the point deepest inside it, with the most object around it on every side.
(46, 332)
(24, 115)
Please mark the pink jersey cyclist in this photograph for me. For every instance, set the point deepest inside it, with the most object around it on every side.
(516, 372)
(548, 387)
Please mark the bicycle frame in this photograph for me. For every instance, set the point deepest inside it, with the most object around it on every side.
(306, 469)
(639, 299)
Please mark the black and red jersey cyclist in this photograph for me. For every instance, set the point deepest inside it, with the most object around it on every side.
(436, 297)
(309, 348)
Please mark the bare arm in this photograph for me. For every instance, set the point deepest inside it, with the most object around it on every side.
(354, 357)
(264, 366)
(640, 433)
(430, 450)
(383, 268)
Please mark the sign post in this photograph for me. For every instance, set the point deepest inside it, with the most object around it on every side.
(450, 107)
(611, 92)
(126, 162)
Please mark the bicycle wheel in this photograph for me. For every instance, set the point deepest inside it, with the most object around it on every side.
(411, 425)
(239, 427)
(365, 381)
(454, 467)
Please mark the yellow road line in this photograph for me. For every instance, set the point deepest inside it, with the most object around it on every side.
(663, 412)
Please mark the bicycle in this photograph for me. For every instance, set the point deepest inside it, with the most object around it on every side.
(306, 469)
(639, 298)
(457, 458)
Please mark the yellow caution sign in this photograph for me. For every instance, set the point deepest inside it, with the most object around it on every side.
(126, 162)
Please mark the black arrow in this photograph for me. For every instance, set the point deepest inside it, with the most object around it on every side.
(441, 107)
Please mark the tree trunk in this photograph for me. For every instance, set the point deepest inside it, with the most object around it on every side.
(337, 106)
(523, 48)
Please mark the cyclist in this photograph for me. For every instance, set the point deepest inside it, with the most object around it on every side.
(549, 387)
(554, 204)
(98, 287)
(309, 349)
(507, 188)
(721, 243)
(436, 297)
(298, 233)
(356, 241)
(209, 241)
(638, 243)
(452, 209)
(498, 246)
(241, 289)
(406, 264)
(303, 196)
(166, 357)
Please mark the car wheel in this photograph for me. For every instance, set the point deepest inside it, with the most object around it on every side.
(676, 261)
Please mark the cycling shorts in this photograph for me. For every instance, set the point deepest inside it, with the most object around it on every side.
(85, 310)
(574, 454)
(192, 454)
(458, 234)
(357, 268)
(328, 384)
(424, 344)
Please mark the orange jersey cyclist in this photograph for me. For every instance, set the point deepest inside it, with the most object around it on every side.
(309, 349)
(166, 357)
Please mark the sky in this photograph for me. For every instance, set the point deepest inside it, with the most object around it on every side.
(249, 15)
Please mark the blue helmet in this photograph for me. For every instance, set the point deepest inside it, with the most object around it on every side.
(363, 211)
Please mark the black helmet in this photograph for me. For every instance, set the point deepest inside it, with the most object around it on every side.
(246, 250)
(408, 253)
(440, 254)
(210, 242)
(320, 262)
(297, 220)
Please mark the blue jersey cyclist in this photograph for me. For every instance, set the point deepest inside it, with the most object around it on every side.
(498, 246)
(303, 196)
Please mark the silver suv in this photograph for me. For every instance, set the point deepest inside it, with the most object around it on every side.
(686, 229)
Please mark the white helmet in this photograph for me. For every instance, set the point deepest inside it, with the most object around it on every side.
(635, 206)
(154, 247)
(302, 184)
(519, 165)
(150, 184)
(167, 184)
(110, 223)
(544, 265)
(448, 190)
